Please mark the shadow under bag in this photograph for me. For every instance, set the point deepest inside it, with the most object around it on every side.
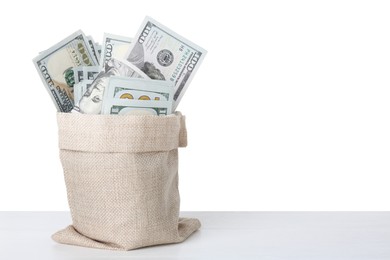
(121, 175)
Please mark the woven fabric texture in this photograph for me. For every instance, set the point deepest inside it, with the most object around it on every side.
(121, 175)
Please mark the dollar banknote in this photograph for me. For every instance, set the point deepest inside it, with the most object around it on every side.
(55, 68)
(91, 101)
(140, 96)
(136, 107)
(138, 89)
(165, 55)
(114, 46)
(85, 73)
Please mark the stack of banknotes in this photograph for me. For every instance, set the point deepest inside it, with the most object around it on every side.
(147, 74)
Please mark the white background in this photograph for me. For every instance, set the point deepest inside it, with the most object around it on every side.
(289, 110)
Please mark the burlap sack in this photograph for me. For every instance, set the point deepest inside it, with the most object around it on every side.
(121, 175)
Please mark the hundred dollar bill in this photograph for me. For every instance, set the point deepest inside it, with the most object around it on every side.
(85, 73)
(55, 68)
(136, 107)
(163, 54)
(114, 46)
(91, 101)
(138, 89)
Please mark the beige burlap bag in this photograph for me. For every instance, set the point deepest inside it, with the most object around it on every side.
(121, 175)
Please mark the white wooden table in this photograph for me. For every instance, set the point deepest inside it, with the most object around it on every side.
(224, 235)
